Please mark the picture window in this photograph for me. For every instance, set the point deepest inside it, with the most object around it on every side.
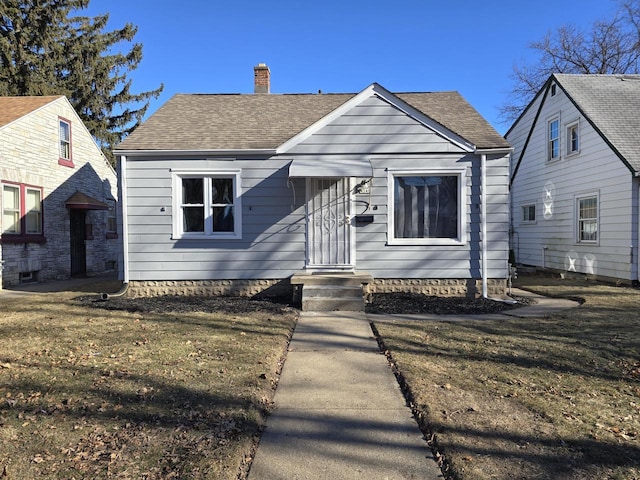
(426, 207)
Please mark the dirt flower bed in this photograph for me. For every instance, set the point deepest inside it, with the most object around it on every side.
(411, 303)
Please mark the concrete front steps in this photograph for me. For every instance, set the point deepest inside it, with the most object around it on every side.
(327, 292)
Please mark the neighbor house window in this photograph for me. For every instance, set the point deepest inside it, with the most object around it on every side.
(64, 143)
(528, 213)
(573, 139)
(207, 205)
(553, 144)
(112, 220)
(587, 209)
(425, 207)
(21, 213)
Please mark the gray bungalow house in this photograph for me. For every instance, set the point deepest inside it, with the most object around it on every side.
(247, 193)
(575, 185)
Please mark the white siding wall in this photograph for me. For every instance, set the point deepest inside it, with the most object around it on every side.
(551, 242)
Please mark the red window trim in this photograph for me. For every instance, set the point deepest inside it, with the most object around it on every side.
(24, 237)
(66, 162)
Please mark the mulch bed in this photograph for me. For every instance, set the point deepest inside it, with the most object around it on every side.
(385, 303)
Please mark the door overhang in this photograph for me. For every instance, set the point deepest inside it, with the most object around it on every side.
(82, 201)
(327, 167)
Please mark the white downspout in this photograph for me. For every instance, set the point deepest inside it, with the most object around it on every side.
(125, 218)
(483, 221)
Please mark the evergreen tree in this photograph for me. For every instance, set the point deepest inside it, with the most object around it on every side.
(46, 49)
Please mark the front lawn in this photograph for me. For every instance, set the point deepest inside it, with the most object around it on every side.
(94, 393)
(543, 398)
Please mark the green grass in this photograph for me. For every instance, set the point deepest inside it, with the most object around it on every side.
(91, 393)
(555, 397)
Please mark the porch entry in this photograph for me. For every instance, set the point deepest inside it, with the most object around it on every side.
(78, 247)
(330, 237)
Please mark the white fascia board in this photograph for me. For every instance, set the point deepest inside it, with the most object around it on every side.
(492, 151)
(195, 153)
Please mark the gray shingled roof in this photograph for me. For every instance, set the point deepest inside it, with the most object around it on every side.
(611, 103)
(249, 121)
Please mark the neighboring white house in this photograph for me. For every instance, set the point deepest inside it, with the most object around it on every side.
(574, 180)
(238, 193)
(58, 202)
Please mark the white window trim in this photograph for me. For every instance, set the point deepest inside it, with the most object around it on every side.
(576, 216)
(555, 118)
(177, 221)
(462, 214)
(568, 128)
(522, 207)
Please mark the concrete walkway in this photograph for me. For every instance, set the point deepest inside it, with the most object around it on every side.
(339, 411)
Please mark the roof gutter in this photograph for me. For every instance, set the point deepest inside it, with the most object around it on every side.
(195, 153)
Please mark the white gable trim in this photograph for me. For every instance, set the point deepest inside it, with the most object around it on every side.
(384, 94)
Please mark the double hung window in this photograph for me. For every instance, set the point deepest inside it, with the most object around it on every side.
(21, 212)
(573, 138)
(207, 205)
(553, 141)
(587, 218)
(112, 220)
(425, 207)
(64, 143)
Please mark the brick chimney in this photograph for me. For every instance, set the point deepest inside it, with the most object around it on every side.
(262, 79)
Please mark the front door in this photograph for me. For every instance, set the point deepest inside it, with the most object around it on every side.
(78, 247)
(330, 236)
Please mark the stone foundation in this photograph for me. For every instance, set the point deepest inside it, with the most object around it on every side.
(277, 288)
(241, 288)
(449, 287)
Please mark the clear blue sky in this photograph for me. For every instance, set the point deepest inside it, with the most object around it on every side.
(337, 46)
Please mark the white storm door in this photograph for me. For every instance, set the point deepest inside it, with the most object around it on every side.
(330, 236)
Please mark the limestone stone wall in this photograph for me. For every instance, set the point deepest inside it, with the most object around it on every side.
(243, 288)
(437, 287)
(29, 154)
(250, 288)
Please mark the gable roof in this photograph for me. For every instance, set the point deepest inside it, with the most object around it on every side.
(209, 122)
(611, 104)
(13, 108)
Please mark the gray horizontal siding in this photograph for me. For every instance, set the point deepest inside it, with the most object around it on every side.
(273, 240)
(274, 236)
(374, 127)
(439, 261)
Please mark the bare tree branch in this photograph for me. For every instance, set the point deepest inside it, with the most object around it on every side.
(610, 46)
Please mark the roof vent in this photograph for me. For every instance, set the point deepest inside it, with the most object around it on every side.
(261, 79)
